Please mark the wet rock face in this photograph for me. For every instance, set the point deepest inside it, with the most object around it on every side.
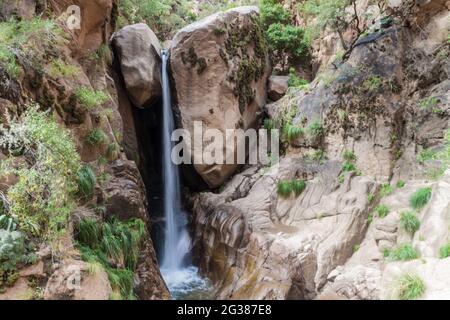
(219, 66)
(139, 51)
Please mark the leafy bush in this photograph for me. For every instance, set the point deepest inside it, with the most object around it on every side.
(348, 166)
(86, 181)
(284, 188)
(425, 155)
(287, 40)
(382, 210)
(400, 184)
(349, 156)
(291, 132)
(315, 128)
(42, 198)
(294, 81)
(298, 186)
(372, 84)
(96, 137)
(12, 255)
(21, 39)
(410, 287)
(59, 68)
(444, 251)
(90, 98)
(115, 245)
(386, 189)
(409, 222)
(420, 198)
(273, 12)
(403, 252)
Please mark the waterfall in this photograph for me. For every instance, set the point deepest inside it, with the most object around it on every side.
(179, 274)
(176, 238)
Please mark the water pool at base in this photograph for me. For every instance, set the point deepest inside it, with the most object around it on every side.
(187, 284)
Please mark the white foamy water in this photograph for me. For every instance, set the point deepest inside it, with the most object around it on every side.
(186, 283)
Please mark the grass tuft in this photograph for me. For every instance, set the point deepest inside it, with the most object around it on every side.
(403, 252)
(409, 222)
(420, 198)
(410, 287)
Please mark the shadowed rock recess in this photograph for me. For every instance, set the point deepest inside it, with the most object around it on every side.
(357, 208)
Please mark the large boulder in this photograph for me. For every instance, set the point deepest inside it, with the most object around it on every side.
(138, 51)
(220, 67)
(277, 87)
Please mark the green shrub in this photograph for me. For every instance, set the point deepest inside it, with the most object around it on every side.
(403, 252)
(410, 287)
(348, 166)
(113, 151)
(444, 251)
(400, 184)
(428, 102)
(13, 254)
(420, 198)
(89, 98)
(386, 189)
(86, 181)
(96, 137)
(291, 132)
(287, 40)
(43, 196)
(372, 84)
(426, 155)
(315, 128)
(59, 68)
(284, 188)
(370, 197)
(349, 156)
(24, 39)
(7, 223)
(382, 210)
(298, 186)
(273, 12)
(295, 81)
(409, 222)
(268, 124)
(115, 245)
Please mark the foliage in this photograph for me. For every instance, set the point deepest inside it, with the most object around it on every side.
(273, 12)
(444, 251)
(386, 189)
(115, 245)
(7, 223)
(18, 42)
(89, 98)
(291, 132)
(12, 254)
(403, 252)
(295, 81)
(287, 40)
(426, 155)
(348, 166)
(59, 68)
(298, 186)
(428, 102)
(42, 198)
(315, 128)
(96, 137)
(372, 83)
(163, 16)
(86, 181)
(370, 197)
(409, 222)
(327, 14)
(349, 156)
(420, 198)
(286, 187)
(382, 210)
(400, 184)
(410, 287)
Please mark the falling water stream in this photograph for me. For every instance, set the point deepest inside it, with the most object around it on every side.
(180, 275)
